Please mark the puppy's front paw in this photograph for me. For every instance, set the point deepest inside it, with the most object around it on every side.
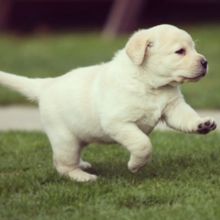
(136, 163)
(207, 125)
(134, 168)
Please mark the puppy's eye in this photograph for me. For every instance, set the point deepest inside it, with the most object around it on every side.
(181, 51)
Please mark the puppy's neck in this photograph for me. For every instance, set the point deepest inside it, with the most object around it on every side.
(128, 69)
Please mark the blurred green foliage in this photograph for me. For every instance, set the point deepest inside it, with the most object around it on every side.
(55, 54)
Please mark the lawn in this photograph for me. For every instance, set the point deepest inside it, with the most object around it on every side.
(182, 182)
(52, 55)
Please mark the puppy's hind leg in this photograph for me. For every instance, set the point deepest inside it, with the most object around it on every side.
(66, 156)
(84, 165)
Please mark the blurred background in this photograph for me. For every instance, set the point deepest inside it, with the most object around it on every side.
(41, 38)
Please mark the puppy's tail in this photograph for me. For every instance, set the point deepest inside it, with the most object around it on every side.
(28, 87)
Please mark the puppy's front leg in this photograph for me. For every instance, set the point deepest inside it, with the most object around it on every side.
(137, 143)
(180, 116)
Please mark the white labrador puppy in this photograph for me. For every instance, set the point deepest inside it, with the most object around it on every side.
(119, 101)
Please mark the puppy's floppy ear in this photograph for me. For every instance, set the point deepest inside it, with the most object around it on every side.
(136, 47)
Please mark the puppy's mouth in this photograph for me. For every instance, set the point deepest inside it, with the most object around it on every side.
(195, 78)
(183, 79)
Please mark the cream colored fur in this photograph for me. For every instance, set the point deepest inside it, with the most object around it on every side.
(118, 101)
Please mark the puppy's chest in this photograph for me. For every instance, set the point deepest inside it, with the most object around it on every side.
(149, 119)
(150, 115)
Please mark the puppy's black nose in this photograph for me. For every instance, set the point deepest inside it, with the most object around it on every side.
(204, 63)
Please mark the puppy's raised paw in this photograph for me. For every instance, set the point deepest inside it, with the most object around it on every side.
(206, 126)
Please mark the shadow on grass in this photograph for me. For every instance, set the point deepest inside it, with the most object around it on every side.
(111, 165)
(169, 168)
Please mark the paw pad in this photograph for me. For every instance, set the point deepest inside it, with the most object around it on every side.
(206, 127)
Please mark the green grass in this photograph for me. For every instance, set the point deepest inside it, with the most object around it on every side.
(52, 55)
(182, 181)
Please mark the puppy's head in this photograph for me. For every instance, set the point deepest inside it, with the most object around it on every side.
(166, 55)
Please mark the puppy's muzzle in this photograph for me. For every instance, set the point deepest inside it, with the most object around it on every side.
(203, 67)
